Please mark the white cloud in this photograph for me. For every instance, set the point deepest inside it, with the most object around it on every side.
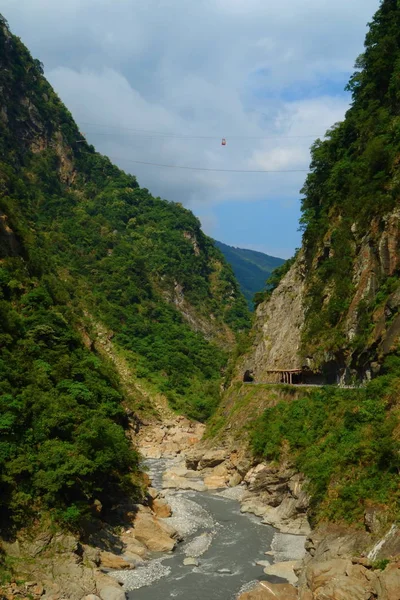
(212, 68)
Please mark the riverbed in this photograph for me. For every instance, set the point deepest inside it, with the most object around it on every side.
(223, 543)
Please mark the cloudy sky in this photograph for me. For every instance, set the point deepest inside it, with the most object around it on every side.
(162, 81)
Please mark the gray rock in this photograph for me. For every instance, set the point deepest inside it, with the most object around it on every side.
(190, 561)
(212, 458)
(112, 593)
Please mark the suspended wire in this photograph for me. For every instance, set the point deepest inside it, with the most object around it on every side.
(141, 162)
(148, 133)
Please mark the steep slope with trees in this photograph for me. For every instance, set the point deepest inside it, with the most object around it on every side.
(82, 244)
(336, 310)
(349, 264)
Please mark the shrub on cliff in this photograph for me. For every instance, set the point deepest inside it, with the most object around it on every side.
(343, 441)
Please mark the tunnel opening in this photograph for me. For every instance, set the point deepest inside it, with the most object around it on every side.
(248, 376)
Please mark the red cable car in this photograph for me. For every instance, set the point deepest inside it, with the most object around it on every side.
(223, 143)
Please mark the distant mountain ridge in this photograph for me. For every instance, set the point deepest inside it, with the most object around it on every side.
(251, 268)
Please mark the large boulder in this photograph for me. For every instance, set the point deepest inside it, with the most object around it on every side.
(132, 545)
(112, 593)
(161, 508)
(339, 579)
(287, 518)
(284, 570)
(218, 477)
(173, 481)
(213, 458)
(108, 560)
(133, 558)
(215, 482)
(235, 479)
(155, 535)
(193, 459)
(388, 584)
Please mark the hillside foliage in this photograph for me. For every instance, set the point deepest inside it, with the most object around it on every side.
(344, 441)
(353, 182)
(80, 241)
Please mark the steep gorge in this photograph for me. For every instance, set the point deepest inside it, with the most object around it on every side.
(114, 306)
(335, 315)
(106, 299)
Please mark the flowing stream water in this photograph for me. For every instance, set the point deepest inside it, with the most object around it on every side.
(225, 543)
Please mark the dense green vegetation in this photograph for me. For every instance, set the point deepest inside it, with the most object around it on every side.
(80, 243)
(343, 440)
(251, 269)
(353, 181)
(346, 441)
(62, 439)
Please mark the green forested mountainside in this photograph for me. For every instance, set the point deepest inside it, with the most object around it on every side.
(351, 246)
(352, 188)
(346, 441)
(81, 242)
(250, 267)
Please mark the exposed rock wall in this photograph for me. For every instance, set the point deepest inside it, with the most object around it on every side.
(9, 243)
(278, 326)
(281, 320)
(336, 566)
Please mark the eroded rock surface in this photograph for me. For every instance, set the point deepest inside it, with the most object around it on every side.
(170, 437)
(336, 567)
(154, 534)
(277, 494)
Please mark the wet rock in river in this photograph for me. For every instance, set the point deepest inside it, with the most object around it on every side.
(190, 561)
(199, 545)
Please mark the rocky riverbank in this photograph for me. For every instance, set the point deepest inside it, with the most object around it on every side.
(332, 563)
(338, 562)
(54, 565)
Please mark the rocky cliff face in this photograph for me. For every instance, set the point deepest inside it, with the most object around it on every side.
(369, 326)
(278, 325)
(350, 220)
